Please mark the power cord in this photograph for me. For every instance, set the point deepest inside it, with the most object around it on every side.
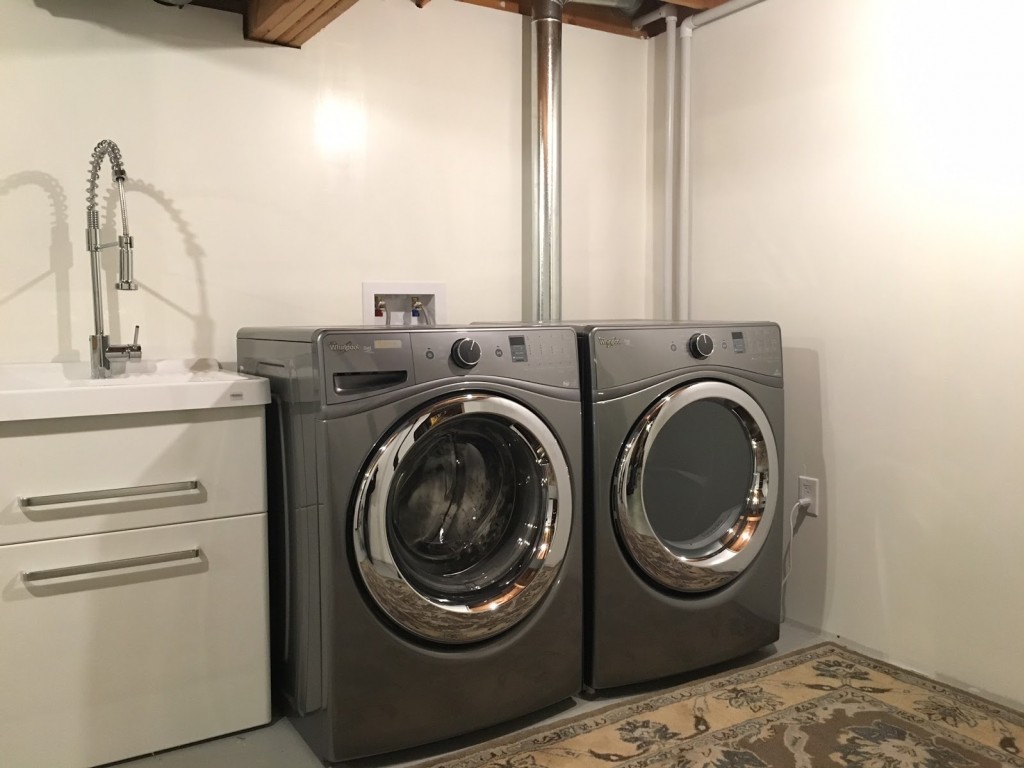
(801, 504)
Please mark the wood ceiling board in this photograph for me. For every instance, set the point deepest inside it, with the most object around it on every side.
(603, 20)
(233, 6)
(289, 12)
(305, 29)
(595, 17)
(294, 22)
(698, 5)
(291, 22)
(263, 15)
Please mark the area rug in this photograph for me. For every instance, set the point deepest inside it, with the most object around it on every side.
(818, 707)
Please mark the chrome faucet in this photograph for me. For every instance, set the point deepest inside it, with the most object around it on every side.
(101, 352)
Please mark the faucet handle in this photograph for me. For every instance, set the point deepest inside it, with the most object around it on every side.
(125, 352)
(134, 350)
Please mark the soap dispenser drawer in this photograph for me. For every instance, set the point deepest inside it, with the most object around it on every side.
(75, 476)
(121, 644)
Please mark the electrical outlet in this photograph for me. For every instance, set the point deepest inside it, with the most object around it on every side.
(807, 488)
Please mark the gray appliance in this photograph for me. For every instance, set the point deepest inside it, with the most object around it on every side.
(684, 535)
(425, 514)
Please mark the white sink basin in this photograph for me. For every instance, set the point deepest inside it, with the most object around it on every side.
(62, 390)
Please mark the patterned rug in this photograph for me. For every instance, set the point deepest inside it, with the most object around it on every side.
(822, 706)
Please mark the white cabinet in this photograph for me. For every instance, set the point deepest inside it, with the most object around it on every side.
(127, 659)
(131, 620)
(134, 470)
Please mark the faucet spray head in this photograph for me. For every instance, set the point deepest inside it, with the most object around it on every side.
(126, 281)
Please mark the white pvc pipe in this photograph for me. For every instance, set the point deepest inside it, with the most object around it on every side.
(685, 271)
(684, 248)
(656, 15)
(719, 12)
(669, 282)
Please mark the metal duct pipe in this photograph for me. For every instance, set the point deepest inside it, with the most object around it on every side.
(546, 74)
(546, 150)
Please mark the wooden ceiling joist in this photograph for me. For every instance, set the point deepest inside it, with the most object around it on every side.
(597, 17)
(291, 22)
(697, 5)
(602, 18)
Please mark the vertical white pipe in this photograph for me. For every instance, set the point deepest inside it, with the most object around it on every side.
(669, 282)
(685, 276)
(685, 261)
(547, 167)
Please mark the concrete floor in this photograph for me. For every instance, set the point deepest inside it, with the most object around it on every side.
(277, 745)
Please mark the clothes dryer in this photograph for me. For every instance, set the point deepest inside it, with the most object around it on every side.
(426, 528)
(684, 535)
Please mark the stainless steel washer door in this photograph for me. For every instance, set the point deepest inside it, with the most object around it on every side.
(462, 518)
(696, 486)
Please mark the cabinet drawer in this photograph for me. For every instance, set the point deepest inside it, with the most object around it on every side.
(120, 644)
(68, 477)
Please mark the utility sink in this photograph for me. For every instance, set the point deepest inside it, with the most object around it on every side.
(62, 390)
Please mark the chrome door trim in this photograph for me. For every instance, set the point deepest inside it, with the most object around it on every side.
(128, 563)
(741, 543)
(449, 621)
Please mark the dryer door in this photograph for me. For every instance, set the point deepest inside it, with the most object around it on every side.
(696, 485)
(462, 518)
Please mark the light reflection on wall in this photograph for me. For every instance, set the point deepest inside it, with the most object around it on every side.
(339, 126)
(951, 106)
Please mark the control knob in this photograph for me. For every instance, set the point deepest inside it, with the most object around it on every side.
(701, 345)
(465, 353)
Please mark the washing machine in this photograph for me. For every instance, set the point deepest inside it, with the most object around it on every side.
(683, 529)
(425, 514)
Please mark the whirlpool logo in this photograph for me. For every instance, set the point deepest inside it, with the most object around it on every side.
(610, 341)
(348, 346)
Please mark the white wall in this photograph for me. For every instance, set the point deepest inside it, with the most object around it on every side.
(859, 177)
(267, 183)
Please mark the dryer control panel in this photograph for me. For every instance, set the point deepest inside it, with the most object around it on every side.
(627, 354)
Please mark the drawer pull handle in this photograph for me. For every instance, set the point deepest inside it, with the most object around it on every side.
(69, 571)
(185, 486)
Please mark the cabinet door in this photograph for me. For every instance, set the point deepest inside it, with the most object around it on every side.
(120, 644)
(69, 477)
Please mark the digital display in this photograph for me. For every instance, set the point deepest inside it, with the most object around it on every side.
(387, 343)
(518, 346)
(737, 342)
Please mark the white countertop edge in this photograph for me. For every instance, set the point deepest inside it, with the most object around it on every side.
(145, 393)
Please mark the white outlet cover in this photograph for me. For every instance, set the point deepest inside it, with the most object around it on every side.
(439, 308)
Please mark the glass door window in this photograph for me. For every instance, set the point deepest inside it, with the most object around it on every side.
(466, 508)
(462, 518)
(701, 463)
(695, 487)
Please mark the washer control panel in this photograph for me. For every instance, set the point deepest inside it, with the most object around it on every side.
(360, 362)
(540, 355)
